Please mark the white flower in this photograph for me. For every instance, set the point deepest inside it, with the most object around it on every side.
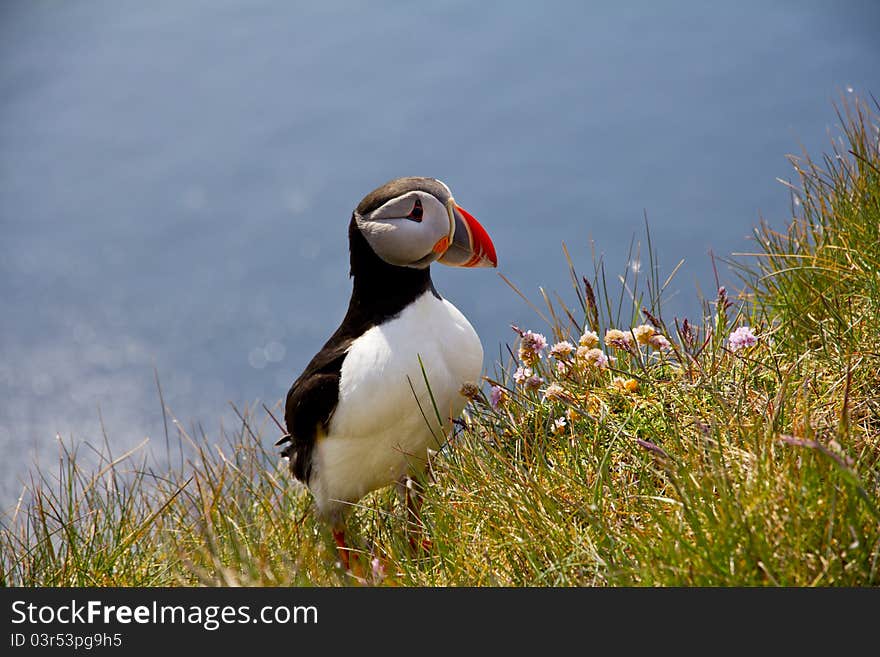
(589, 340)
(559, 425)
(644, 333)
(561, 350)
(593, 357)
(522, 374)
(618, 339)
(555, 391)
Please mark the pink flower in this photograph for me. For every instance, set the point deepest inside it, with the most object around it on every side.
(531, 346)
(535, 341)
(658, 341)
(534, 382)
(559, 425)
(742, 337)
(497, 396)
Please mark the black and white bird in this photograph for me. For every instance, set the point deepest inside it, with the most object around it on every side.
(361, 415)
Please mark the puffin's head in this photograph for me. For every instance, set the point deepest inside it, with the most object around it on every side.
(411, 222)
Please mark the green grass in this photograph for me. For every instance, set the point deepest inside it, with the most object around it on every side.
(693, 465)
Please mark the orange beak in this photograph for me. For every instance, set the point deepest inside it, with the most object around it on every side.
(470, 245)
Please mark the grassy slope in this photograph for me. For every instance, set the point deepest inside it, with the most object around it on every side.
(696, 465)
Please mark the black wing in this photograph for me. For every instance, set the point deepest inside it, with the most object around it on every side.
(310, 404)
(313, 397)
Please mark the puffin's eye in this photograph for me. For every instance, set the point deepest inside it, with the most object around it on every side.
(416, 213)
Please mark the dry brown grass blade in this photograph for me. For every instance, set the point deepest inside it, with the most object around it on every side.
(524, 298)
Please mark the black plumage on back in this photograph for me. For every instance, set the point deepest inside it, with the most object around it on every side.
(380, 292)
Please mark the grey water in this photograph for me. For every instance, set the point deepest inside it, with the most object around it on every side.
(176, 178)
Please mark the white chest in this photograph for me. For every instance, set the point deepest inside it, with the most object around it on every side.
(386, 418)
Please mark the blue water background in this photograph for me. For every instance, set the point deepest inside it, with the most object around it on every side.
(176, 178)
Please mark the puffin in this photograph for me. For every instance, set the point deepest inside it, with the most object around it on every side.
(384, 390)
